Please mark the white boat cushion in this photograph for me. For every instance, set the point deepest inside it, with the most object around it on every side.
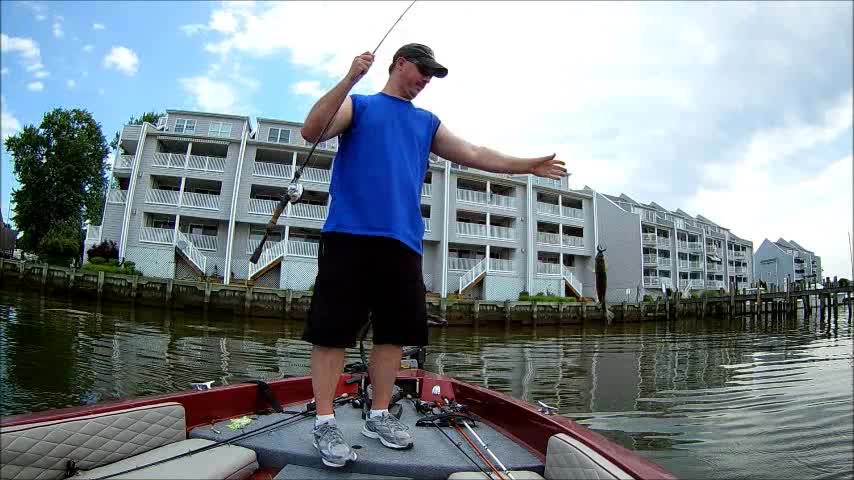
(223, 462)
(42, 450)
(569, 458)
(517, 475)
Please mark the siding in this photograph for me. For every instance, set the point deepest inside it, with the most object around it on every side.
(203, 123)
(772, 273)
(620, 232)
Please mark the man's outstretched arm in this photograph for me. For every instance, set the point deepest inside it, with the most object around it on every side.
(453, 148)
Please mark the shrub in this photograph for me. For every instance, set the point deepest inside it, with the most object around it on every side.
(113, 261)
(96, 260)
(106, 249)
(647, 298)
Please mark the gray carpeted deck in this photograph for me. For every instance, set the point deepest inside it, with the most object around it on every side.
(432, 457)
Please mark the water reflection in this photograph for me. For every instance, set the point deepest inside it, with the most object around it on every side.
(718, 398)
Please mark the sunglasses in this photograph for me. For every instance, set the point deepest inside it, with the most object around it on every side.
(422, 69)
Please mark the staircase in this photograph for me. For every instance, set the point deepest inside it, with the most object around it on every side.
(195, 258)
(571, 279)
(269, 259)
(473, 275)
(691, 284)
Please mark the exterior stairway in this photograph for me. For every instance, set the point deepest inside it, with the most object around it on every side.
(194, 257)
(269, 258)
(472, 276)
(571, 280)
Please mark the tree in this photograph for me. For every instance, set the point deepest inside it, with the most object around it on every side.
(150, 117)
(61, 168)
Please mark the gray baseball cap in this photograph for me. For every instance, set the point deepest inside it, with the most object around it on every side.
(421, 55)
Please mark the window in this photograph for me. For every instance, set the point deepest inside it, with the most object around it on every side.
(205, 191)
(219, 129)
(185, 126)
(161, 223)
(200, 229)
(279, 135)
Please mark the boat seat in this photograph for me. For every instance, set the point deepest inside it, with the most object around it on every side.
(110, 442)
(224, 462)
(565, 458)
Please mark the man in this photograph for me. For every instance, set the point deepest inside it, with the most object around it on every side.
(370, 254)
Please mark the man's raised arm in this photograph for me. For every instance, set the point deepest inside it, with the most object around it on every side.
(337, 102)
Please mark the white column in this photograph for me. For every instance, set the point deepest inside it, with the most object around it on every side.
(176, 229)
(187, 155)
(488, 197)
(181, 192)
(487, 257)
(135, 174)
(287, 239)
(560, 206)
(445, 223)
(531, 243)
(229, 244)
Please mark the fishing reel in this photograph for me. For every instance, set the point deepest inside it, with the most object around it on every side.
(295, 191)
(442, 414)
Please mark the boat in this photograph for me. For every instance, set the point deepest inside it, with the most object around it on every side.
(262, 430)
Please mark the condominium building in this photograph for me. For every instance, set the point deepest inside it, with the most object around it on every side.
(786, 261)
(192, 194)
(649, 248)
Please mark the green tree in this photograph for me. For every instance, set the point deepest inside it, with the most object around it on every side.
(61, 167)
(150, 117)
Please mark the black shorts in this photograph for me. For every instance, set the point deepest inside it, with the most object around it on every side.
(363, 278)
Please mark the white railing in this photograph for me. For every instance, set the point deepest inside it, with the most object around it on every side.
(569, 276)
(663, 242)
(471, 229)
(273, 170)
(649, 216)
(649, 238)
(93, 232)
(124, 161)
(316, 175)
(117, 196)
(206, 163)
(157, 235)
(548, 238)
(131, 132)
(503, 201)
(696, 266)
(472, 196)
(695, 247)
(268, 256)
(739, 255)
(651, 282)
(683, 246)
(714, 284)
(197, 257)
(649, 259)
(261, 206)
(713, 267)
(500, 265)
(170, 160)
(547, 182)
(548, 208)
(573, 213)
(427, 189)
(472, 274)
(713, 249)
(742, 270)
(503, 233)
(544, 268)
(302, 249)
(426, 224)
(162, 197)
(455, 263)
(201, 200)
(683, 283)
(683, 264)
(252, 244)
(311, 212)
(204, 242)
(571, 241)
(664, 262)
(690, 284)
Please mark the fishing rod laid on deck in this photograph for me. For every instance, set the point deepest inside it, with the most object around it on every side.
(295, 189)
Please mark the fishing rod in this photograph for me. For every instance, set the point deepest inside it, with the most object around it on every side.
(295, 189)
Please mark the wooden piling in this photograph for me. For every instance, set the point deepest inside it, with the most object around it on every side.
(476, 312)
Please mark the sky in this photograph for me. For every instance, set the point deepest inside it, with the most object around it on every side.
(738, 111)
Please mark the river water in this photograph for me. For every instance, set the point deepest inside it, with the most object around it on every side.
(717, 398)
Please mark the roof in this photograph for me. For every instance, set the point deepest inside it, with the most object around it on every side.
(283, 122)
(784, 243)
(208, 114)
(658, 207)
(625, 198)
(706, 220)
(681, 212)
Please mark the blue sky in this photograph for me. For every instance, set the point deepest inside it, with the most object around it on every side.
(738, 111)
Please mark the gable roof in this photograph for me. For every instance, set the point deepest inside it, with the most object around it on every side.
(658, 207)
(784, 243)
(706, 220)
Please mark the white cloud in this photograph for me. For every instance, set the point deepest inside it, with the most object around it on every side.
(70, 83)
(35, 86)
(8, 123)
(310, 88)
(122, 59)
(98, 26)
(28, 51)
(88, 48)
(38, 9)
(4, 71)
(58, 32)
(210, 95)
(41, 74)
(193, 29)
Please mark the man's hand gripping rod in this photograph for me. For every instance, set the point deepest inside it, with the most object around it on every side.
(295, 189)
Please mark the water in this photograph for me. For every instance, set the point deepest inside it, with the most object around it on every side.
(705, 399)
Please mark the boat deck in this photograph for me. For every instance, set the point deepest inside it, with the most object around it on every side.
(433, 455)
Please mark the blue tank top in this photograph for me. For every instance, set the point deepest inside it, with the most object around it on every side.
(379, 169)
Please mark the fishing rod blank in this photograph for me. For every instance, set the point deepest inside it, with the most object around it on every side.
(488, 450)
(295, 189)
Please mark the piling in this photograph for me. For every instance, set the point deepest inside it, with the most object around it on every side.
(476, 313)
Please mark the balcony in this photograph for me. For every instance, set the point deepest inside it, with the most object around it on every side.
(204, 242)
(273, 170)
(664, 262)
(695, 247)
(544, 268)
(714, 284)
(740, 270)
(203, 201)
(157, 235)
(502, 201)
(316, 175)
(472, 229)
(696, 266)
(162, 197)
(169, 160)
(548, 208)
(426, 189)
(502, 233)
(547, 238)
(547, 182)
(465, 264)
(206, 163)
(500, 265)
(253, 241)
(682, 245)
(683, 264)
(573, 241)
(117, 196)
(575, 213)
(650, 259)
(472, 196)
(739, 255)
(426, 224)
(123, 162)
(714, 267)
(261, 206)
(310, 212)
(649, 239)
(651, 282)
(663, 242)
(302, 249)
(713, 250)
